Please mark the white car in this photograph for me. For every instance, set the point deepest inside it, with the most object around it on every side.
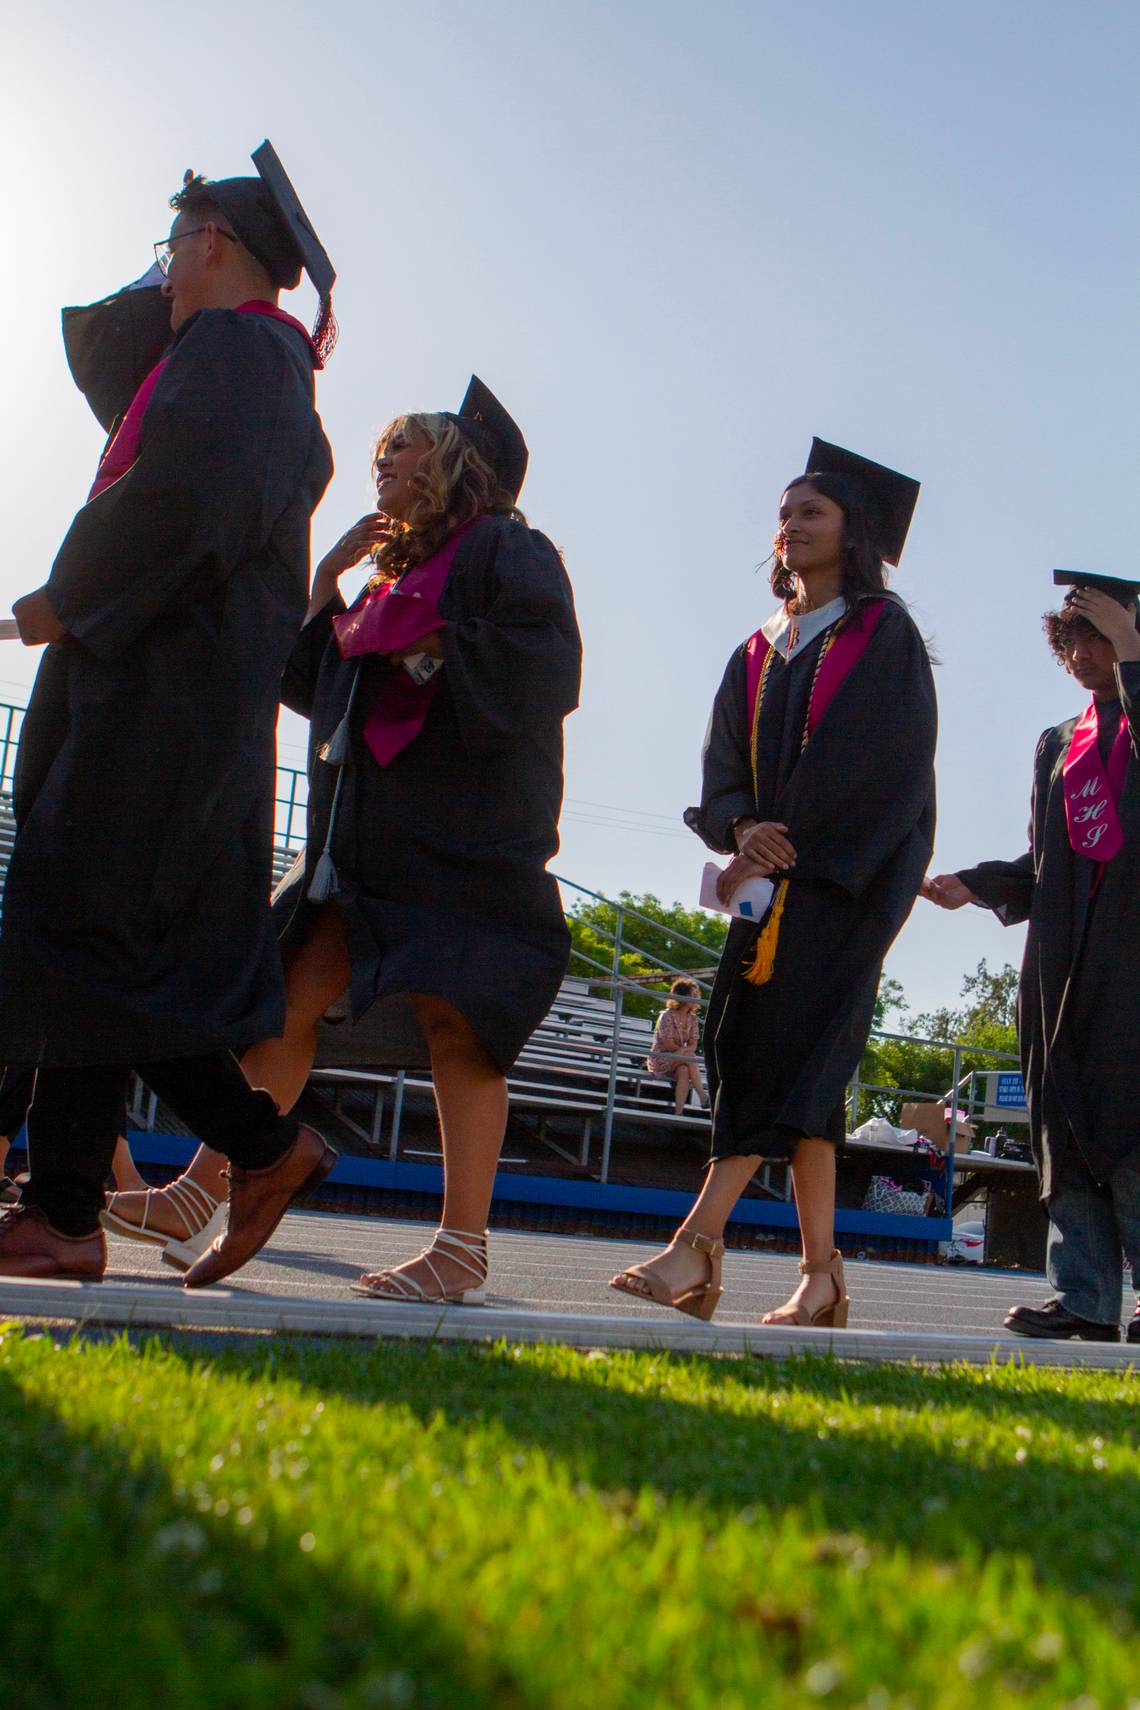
(968, 1244)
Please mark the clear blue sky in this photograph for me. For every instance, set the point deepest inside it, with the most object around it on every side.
(678, 239)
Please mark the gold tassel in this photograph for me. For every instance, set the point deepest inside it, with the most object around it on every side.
(759, 971)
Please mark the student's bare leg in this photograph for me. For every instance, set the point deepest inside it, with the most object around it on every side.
(813, 1177)
(471, 1098)
(678, 1265)
(127, 1178)
(315, 976)
(680, 1088)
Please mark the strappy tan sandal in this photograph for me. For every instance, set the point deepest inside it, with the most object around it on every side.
(833, 1317)
(461, 1246)
(699, 1300)
(203, 1218)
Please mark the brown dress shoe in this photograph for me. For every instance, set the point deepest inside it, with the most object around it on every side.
(31, 1247)
(258, 1201)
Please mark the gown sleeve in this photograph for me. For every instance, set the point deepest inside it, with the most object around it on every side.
(726, 767)
(299, 680)
(1007, 887)
(855, 798)
(513, 657)
(223, 450)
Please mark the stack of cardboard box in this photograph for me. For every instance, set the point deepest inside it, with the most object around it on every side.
(933, 1120)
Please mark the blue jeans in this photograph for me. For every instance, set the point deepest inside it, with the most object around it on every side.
(1090, 1227)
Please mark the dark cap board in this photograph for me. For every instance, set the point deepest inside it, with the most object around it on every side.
(1125, 593)
(892, 496)
(112, 345)
(494, 434)
(267, 216)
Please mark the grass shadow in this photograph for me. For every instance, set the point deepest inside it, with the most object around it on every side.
(744, 1439)
(118, 1597)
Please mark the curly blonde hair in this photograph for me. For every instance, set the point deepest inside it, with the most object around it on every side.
(452, 486)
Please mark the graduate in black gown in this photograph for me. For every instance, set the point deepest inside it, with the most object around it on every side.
(818, 773)
(433, 805)
(136, 925)
(1078, 886)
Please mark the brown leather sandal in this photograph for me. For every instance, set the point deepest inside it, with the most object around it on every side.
(699, 1300)
(833, 1317)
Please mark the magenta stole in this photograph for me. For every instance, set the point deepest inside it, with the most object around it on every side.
(1093, 793)
(844, 653)
(391, 620)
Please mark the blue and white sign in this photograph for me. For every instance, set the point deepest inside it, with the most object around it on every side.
(1010, 1091)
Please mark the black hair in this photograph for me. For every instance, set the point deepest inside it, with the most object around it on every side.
(195, 198)
(1062, 629)
(863, 571)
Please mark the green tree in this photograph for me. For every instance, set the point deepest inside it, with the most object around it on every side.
(985, 1018)
(646, 943)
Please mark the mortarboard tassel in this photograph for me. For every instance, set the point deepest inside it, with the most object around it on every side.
(325, 330)
(335, 750)
(324, 883)
(759, 971)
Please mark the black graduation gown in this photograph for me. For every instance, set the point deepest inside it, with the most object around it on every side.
(136, 920)
(859, 806)
(441, 855)
(1078, 1013)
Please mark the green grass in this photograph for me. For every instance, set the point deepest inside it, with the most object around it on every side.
(305, 1526)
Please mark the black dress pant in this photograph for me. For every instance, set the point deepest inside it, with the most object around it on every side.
(15, 1097)
(75, 1115)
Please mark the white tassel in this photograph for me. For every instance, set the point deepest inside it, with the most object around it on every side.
(335, 750)
(324, 883)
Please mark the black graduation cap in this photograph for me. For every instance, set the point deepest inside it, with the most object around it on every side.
(112, 345)
(1125, 593)
(267, 216)
(893, 496)
(494, 434)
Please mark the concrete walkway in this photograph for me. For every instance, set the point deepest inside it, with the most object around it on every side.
(553, 1288)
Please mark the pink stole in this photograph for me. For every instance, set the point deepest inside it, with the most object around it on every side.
(391, 620)
(123, 450)
(1092, 793)
(837, 660)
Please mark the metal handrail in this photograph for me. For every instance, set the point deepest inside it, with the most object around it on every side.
(291, 797)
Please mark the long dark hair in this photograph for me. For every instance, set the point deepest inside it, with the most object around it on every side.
(863, 571)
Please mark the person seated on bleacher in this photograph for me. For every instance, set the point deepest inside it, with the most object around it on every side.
(672, 1055)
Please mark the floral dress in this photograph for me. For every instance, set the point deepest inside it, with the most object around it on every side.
(676, 1030)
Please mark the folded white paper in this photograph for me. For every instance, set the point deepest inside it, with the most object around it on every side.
(750, 899)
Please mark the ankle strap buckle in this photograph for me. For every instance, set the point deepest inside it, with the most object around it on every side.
(702, 1243)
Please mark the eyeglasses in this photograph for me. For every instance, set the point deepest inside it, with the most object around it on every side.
(164, 248)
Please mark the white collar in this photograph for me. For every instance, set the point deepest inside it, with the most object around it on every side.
(808, 626)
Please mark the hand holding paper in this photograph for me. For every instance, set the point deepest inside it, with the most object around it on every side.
(749, 901)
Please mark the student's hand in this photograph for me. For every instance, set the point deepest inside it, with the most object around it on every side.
(948, 891)
(1115, 622)
(741, 867)
(36, 618)
(354, 546)
(767, 845)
